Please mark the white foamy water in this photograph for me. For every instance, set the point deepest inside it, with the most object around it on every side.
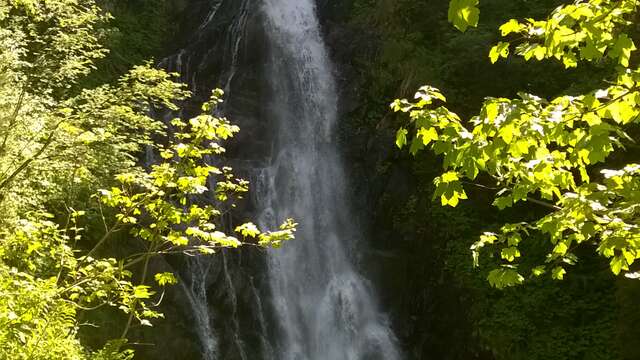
(316, 305)
(325, 309)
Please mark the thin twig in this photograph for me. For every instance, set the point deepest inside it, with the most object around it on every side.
(530, 199)
(26, 163)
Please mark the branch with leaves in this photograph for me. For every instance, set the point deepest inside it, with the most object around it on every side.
(549, 152)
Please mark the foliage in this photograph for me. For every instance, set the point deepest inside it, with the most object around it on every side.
(58, 140)
(163, 209)
(136, 31)
(400, 45)
(68, 156)
(578, 318)
(547, 152)
(49, 44)
(464, 13)
(35, 323)
(449, 308)
(581, 317)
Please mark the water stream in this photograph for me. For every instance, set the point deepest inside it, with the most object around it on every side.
(326, 310)
(314, 304)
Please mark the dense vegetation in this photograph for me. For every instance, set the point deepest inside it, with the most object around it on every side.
(71, 184)
(82, 217)
(530, 146)
(588, 315)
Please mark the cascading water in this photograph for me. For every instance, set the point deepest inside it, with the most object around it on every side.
(324, 308)
(196, 292)
(196, 278)
(311, 304)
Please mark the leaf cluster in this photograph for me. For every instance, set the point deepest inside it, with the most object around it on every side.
(547, 151)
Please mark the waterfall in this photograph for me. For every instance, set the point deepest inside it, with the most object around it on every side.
(310, 303)
(196, 292)
(324, 309)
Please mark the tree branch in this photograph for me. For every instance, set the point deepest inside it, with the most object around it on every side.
(104, 238)
(529, 199)
(543, 203)
(26, 163)
(13, 118)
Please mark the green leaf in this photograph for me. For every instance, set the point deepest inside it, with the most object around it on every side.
(622, 49)
(591, 119)
(504, 277)
(510, 253)
(628, 256)
(569, 60)
(492, 109)
(510, 27)
(401, 138)
(181, 149)
(428, 135)
(142, 292)
(503, 202)
(416, 145)
(539, 52)
(589, 51)
(618, 263)
(506, 133)
(558, 273)
(165, 278)
(499, 50)
(454, 200)
(450, 176)
(520, 147)
(464, 13)
(538, 270)
(560, 248)
(248, 229)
